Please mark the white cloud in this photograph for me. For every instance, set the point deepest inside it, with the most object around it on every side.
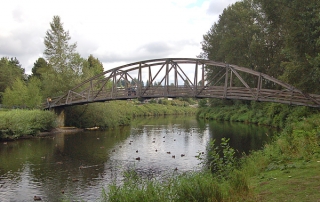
(117, 32)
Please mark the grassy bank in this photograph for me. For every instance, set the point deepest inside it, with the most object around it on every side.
(271, 114)
(115, 113)
(286, 169)
(18, 123)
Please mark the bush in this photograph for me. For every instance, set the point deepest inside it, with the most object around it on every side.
(115, 113)
(17, 123)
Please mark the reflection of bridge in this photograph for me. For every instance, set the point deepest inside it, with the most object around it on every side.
(183, 77)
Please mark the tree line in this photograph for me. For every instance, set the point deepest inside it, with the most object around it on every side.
(280, 38)
(61, 69)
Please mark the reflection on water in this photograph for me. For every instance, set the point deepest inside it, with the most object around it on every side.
(77, 166)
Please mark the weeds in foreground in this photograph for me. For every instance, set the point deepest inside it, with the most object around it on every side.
(217, 182)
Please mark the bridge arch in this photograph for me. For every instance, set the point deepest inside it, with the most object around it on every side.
(183, 77)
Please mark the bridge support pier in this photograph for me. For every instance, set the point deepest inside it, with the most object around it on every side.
(61, 118)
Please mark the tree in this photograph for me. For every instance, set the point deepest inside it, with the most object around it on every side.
(15, 95)
(23, 95)
(62, 57)
(34, 98)
(92, 67)
(296, 26)
(58, 52)
(40, 67)
(245, 36)
(10, 70)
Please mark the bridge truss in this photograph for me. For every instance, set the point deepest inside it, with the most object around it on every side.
(183, 77)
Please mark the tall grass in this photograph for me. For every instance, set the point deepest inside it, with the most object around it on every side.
(17, 123)
(115, 113)
(219, 181)
(271, 114)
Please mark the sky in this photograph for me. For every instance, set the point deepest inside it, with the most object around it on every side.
(117, 32)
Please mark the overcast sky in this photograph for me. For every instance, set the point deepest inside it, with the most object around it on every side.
(116, 32)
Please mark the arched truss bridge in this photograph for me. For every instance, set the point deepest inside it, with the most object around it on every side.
(183, 77)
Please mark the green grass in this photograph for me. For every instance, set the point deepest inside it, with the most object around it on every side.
(297, 181)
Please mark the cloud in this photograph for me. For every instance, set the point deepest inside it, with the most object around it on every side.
(217, 6)
(114, 31)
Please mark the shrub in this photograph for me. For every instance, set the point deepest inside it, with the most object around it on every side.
(16, 123)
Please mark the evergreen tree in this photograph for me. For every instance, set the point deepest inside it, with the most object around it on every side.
(40, 67)
(63, 58)
(92, 67)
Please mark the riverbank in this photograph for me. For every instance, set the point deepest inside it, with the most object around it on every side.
(19, 123)
(118, 113)
(286, 169)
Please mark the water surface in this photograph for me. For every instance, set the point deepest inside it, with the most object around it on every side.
(78, 166)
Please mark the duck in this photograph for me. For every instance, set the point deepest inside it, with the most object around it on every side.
(156, 150)
(173, 156)
(168, 152)
(138, 158)
(37, 198)
(176, 169)
(137, 151)
(182, 155)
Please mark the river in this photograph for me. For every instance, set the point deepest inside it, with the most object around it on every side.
(77, 166)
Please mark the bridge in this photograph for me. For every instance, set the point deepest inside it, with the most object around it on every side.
(183, 77)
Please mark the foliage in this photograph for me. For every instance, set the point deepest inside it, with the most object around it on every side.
(203, 102)
(40, 67)
(115, 113)
(280, 39)
(10, 70)
(58, 51)
(92, 67)
(272, 114)
(17, 123)
(23, 95)
(188, 187)
(16, 95)
(63, 58)
(220, 159)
